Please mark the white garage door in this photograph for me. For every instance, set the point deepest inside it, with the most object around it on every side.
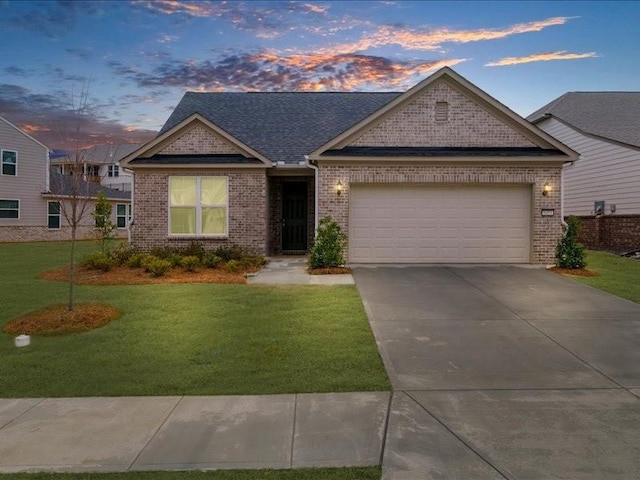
(439, 224)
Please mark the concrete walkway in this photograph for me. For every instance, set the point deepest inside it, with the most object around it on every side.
(292, 270)
(191, 433)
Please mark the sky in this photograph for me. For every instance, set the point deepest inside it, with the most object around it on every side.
(135, 59)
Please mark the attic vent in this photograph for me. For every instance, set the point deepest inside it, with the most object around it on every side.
(442, 111)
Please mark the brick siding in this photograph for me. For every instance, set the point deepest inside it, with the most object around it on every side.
(247, 210)
(414, 125)
(546, 231)
(618, 233)
(199, 140)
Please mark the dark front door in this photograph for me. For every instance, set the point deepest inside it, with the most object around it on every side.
(294, 216)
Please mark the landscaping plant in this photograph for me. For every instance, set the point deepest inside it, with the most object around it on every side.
(104, 226)
(569, 252)
(328, 246)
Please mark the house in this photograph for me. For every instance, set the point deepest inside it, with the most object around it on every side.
(603, 188)
(101, 164)
(31, 194)
(441, 173)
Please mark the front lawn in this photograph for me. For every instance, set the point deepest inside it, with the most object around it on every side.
(616, 274)
(356, 473)
(185, 339)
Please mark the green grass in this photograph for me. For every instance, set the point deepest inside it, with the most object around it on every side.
(189, 339)
(361, 473)
(616, 274)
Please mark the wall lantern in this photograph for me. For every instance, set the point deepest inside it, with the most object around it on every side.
(339, 187)
(546, 189)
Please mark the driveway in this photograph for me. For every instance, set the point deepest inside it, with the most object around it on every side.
(505, 372)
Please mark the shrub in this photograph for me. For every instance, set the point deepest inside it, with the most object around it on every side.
(211, 260)
(136, 259)
(190, 263)
(123, 253)
(570, 253)
(148, 259)
(233, 266)
(98, 261)
(328, 246)
(231, 253)
(175, 259)
(164, 252)
(195, 249)
(157, 267)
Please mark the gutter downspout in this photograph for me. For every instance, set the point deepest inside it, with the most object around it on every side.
(130, 222)
(315, 193)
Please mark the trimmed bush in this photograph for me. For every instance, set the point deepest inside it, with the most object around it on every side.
(211, 260)
(98, 261)
(232, 253)
(570, 253)
(123, 253)
(195, 249)
(190, 263)
(157, 267)
(328, 245)
(233, 266)
(136, 259)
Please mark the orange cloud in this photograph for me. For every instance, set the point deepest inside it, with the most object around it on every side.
(541, 57)
(434, 39)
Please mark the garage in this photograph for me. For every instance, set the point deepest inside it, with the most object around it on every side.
(430, 223)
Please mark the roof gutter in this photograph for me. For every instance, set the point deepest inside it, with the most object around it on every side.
(315, 193)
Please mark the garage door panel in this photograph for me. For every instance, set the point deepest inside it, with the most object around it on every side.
(439, 224)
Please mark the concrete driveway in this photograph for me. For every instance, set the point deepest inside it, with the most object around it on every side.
(505, 372)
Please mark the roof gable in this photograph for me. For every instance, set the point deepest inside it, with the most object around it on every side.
(194, 141)
(608, 115)
(25, 134)
(475, 119)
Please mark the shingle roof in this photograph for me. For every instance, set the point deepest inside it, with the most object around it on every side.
(612, 115)
(63, 185)
(283, 126)
(103, 154)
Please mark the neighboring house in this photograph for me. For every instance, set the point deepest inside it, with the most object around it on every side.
(101, 164)
(603, 188)
(442, 173)
(30, 193)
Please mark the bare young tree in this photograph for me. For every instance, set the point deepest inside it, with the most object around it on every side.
(71, 190)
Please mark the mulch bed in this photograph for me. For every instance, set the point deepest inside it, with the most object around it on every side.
(137, 276)
(58, 320)
(328, 271)
(579, 272)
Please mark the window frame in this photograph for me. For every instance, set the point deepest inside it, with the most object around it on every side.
(113, 171)
(2, 163)
(198, 207)
(126, 216)
(9, 209)
(50, 215)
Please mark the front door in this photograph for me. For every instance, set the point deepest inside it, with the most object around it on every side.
(294, 216)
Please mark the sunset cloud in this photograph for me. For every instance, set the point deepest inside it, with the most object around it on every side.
(541, 57)
(268, 71)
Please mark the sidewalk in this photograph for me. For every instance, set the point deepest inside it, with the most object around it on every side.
(293, 271)
(117, 434)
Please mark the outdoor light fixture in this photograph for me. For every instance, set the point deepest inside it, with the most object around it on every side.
(339, 187)
(546, 189)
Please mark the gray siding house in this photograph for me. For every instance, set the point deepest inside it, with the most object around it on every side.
(603, 187)
(31, 194)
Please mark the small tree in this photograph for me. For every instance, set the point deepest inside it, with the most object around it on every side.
(328, 246)
(570, 253)
(104, 226)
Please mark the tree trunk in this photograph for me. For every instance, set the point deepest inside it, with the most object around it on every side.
(72, 268)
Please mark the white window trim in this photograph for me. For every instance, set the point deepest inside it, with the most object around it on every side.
(11, 200)
(113, 171)
(59, 215)
(2, 163)
(198, 208)
(127, 215)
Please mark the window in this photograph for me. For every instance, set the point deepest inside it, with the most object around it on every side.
(9, 208)
(198, 205)
(93, 170)
(123, 214)
(53, 215)
(442, 111)
(113, 171)
(9, 162)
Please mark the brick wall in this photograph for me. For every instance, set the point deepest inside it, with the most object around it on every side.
(275, 211)
(199, 140)
(468, 124)
(43, 234)
(618, 233)
(546, 231)
(247, 211)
